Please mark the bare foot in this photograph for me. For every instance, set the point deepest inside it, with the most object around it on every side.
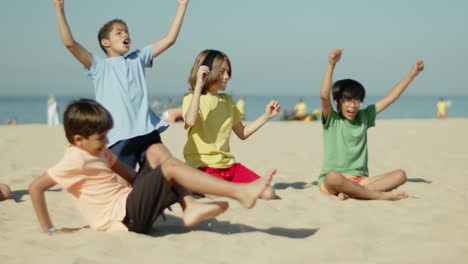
(394, 195)
(342, 196)
(250, 192)
(197, 212)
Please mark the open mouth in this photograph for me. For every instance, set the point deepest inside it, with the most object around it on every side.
(126, 42)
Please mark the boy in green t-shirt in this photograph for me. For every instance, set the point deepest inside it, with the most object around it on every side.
(344, 171)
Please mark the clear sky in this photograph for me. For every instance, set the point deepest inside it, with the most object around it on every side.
(275, 46)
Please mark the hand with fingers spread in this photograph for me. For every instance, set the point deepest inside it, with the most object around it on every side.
(272, 109)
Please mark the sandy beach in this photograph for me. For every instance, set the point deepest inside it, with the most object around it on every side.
(303, 226)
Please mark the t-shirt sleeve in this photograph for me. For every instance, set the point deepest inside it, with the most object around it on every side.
(146, 56)
(68, 170)
(370, 115)
(236, 114)
(185, 105)
(95, 68)
(333, 115)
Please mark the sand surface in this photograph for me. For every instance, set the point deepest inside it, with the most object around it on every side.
(303, 226)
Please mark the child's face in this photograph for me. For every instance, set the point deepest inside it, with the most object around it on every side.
(94, 144)
(224, 77)
(349, 108)
(119, 40)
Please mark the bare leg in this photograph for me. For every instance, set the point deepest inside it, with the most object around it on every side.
(196, 212)
(5, 192)
(387, 181)
(268, 194)
(336, 183)
(195, 180)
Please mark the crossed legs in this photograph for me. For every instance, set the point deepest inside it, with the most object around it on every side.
(375, 188)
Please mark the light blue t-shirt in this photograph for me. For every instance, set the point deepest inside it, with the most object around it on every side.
(120, 86)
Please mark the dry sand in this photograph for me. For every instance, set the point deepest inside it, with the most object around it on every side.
(303, 226)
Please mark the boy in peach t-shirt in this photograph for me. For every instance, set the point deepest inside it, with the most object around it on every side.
(89, 172)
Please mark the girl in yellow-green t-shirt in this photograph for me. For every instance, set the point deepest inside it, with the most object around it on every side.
(210, 116)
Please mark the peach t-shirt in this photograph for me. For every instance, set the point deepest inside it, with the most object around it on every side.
(93, 186)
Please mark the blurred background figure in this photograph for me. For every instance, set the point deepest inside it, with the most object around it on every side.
(241, 106)
(157, 106)
(441, 108)
(52, 111)
(300, 110)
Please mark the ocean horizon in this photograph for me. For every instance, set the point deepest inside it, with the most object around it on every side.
(33, 109)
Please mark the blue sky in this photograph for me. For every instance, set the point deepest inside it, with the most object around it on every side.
(276, 47)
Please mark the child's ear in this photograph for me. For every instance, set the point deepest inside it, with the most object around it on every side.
(105, 43)
(78, 139)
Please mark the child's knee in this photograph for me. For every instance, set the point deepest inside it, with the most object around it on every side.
(5, 192)
(401, 175)
(333, 178)
(156, 154)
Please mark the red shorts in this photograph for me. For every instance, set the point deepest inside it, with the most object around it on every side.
(236, 173)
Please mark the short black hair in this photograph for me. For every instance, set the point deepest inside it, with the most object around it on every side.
(85, 117)
(348, 89)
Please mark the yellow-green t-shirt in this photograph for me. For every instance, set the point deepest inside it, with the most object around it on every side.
(301, 108)
(241, 106)
(208, 141)
(441, 107)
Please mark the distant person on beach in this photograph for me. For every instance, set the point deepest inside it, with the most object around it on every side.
(300, 110)
(120, 83)
(52, 111)
(210, 115)
(5, 192)
(344, 171)
(441, 108)
(241, 107)
(92, 176)
(157, 106)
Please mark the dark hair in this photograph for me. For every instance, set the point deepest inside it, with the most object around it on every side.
(85, 117)
(348, 89)
(106, 29)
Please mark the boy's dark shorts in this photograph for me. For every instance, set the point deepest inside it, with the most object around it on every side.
(150, 196)
(132, 151)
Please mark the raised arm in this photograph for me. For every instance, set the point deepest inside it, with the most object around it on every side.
(171, 36)
(271, 110)
(192, 112)
(80, 53)
(333, 58)
(36, 190)
(396, 91)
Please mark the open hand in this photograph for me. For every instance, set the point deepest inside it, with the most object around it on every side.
(272, 109)
(335, 56)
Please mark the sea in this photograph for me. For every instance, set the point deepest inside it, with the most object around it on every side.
(33, 109)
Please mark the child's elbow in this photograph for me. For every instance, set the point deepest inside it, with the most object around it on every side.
(190, 123)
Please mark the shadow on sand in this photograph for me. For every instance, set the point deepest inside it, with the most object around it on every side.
(174, 225)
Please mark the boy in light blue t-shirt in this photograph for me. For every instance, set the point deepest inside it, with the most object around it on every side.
(344, 171)
(120, 84)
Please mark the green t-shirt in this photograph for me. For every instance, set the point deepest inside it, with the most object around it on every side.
(345, 143)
